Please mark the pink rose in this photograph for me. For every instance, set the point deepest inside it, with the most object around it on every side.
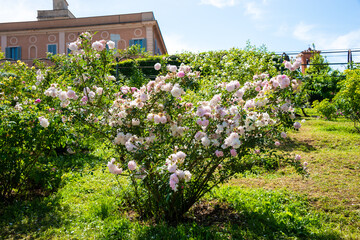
(98, 46)
(181, 74)
(219, 153)
(132, 165)
(233, 152)
(297, 125)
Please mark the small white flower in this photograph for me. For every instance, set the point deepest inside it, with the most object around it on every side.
(157, 66)
(111, 44)
(73, 46)
(44, 122)
(99, 91)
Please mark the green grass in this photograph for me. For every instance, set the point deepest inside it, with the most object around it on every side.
(279, 205)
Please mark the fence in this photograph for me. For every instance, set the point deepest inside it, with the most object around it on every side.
(334, 57)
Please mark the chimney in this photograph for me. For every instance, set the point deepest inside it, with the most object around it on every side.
(60, 5)
(60, 11)
(306, 55)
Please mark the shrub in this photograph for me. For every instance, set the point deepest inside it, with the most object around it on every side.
(326, 109)
(348, 98)
(32, 133)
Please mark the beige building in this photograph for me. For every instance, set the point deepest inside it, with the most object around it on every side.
(56, 28)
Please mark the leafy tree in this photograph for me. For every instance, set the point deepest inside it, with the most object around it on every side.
(319, 82)
(348, 98)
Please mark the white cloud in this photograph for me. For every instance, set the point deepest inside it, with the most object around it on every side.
(302, 31)
(253, 10)
(346, 41)
(219, 3)
(325, 40)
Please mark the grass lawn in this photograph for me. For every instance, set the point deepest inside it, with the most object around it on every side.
(279, 205)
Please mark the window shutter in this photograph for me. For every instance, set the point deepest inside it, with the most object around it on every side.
(7, 52)
(52, 49)
(18, 56)
(144, 45)
(131, 42)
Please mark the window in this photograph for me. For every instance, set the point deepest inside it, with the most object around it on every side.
(51, 48)
(13, 52)
(115, 38)
(141, 42)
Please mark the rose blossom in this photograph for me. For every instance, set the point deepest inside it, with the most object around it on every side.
(99, 91)
(111, 44)
(98, 46)
(283, 135)
(297, 157)
(73, 46)
(187, 176)
(132, 165)
(172, 168)
(297, 125)
(84, 99)
(219, 153)
(180, 155)
(113, 168)
(71, 94)
(233, 152)
(63, 96)
(157, 66)
(135, 122)
(172, 68)
(176, 91)
(284, 81)
(44, 122)
(180, 74)
(38, 101)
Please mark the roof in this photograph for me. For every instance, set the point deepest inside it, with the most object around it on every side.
(77, 22)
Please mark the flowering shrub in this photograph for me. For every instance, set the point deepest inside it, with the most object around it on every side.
(30, 131)
(173, 148)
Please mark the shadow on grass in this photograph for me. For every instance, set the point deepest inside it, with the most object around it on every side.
(27, 219)
(37, 208)
(293, 144)
(221, 221)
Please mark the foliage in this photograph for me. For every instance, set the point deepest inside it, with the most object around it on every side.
(348, 98)
(173, 150)
(25, 146)
(232, 65)
(319, 82)
(326, 109)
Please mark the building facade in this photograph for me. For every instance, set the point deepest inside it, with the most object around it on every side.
(56, 28)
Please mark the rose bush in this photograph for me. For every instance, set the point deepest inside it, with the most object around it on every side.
(172, 148)
(27, 139)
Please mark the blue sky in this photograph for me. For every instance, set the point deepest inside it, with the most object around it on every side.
(201, 25)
